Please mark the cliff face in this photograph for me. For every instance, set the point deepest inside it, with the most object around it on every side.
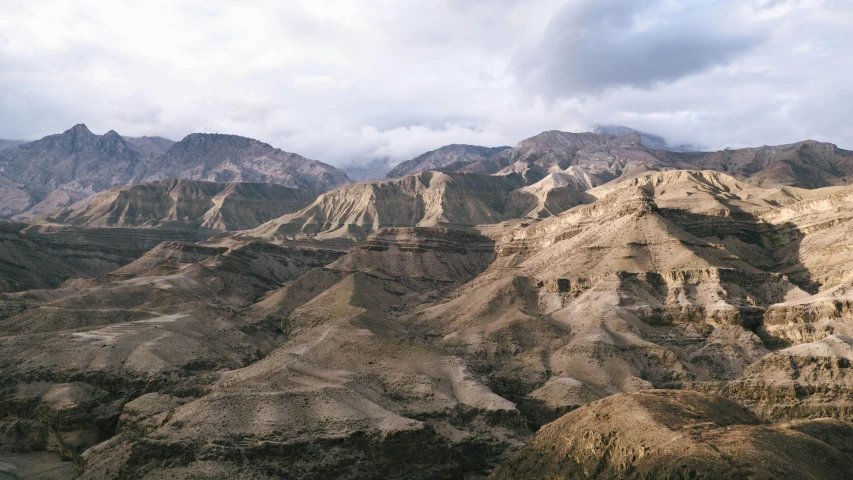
(440, 254)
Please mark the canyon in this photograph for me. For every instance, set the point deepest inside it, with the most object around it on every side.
(578, 305)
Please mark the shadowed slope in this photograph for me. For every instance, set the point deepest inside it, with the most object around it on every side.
(348, 393)
(166, 322)
(207, 205)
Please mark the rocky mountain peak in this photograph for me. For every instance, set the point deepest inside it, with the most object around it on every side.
(218, 145)
(208, 139)
(448, 157)
(557, 138)
(631, 140)
(226, 158)
(112, 143)
(75, 139)
(79, 130)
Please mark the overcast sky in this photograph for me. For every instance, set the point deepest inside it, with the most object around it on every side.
(344, 81)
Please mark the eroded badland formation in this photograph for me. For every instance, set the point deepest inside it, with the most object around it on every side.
(579, 305)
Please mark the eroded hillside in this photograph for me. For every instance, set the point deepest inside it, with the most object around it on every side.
(562, 314)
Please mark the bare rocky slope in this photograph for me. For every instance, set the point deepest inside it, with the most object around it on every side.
(434, 326)
(230, 158)
(58, 170)
(61, 169)
(810, 380)
(807, 164)
(650, 140)
(213, 206)
(150, 145)
(26, 265)
(449, 156)
(424, 199)
(115, 227)
(550, 173)
(673, 435)
(165, 324)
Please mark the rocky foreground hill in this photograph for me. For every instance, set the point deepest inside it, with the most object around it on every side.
(578, 306)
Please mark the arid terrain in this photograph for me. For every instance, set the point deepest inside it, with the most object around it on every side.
(580, 305)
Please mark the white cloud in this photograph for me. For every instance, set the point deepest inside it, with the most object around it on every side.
(342, 80)
(320, 82)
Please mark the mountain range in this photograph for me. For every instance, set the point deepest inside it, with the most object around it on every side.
(580, 305)
(58, 170)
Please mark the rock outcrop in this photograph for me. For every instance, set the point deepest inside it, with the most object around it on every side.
(810, 380)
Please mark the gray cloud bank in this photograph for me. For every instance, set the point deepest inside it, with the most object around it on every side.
(593, 45)
(351, 82)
